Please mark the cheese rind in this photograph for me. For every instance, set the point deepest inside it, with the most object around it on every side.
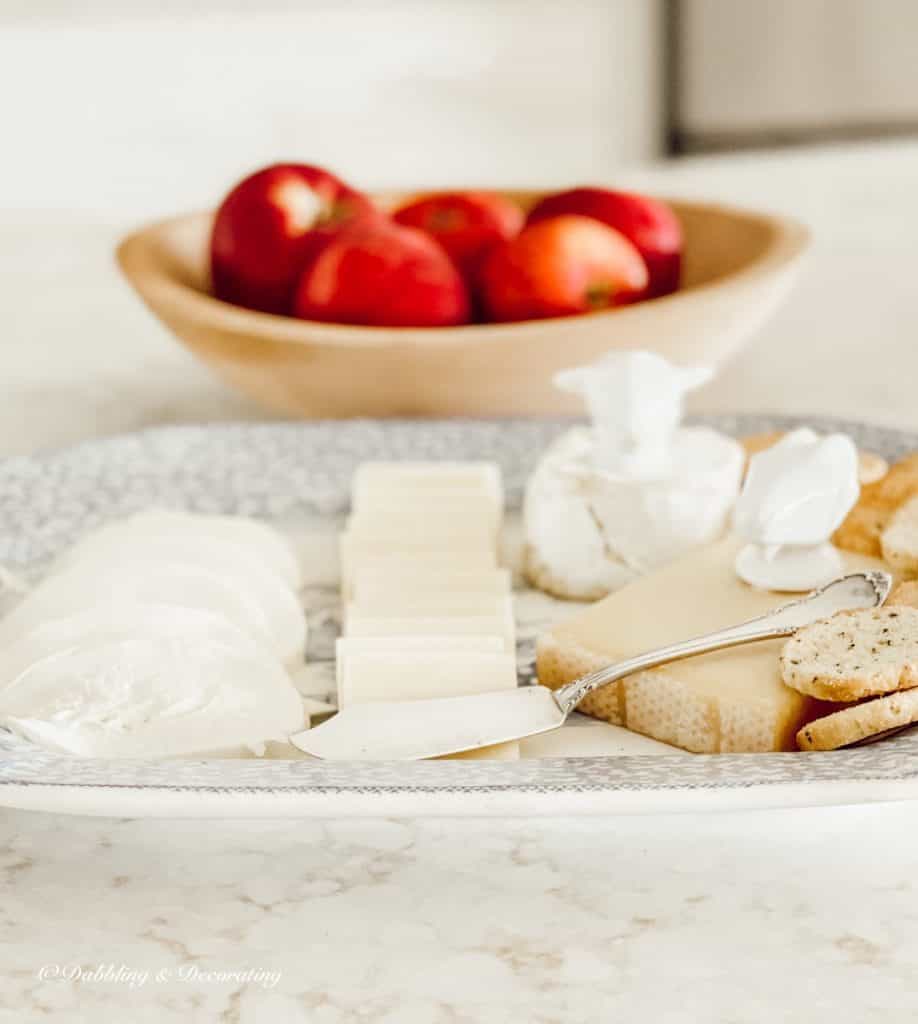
(729, 701)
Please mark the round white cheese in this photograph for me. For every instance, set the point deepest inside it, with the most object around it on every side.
(589, 532)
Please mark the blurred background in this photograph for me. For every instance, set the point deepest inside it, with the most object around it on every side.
(118, 112)
(168, 102)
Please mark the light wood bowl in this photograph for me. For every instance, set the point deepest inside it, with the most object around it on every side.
(738, 267)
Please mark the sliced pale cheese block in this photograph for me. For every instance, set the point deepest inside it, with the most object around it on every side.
(345, 645)
(426, 675)
(376, 584)
(393, 564)
(408, 553)
(732, 700)
(374, 479)
(421, 532)
(422, 675)
(444, 512)
(448, 625)
(439, 605)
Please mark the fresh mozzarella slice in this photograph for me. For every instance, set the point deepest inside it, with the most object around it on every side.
(254, 602)
(172, 690)
(113, 621)
(238, 538)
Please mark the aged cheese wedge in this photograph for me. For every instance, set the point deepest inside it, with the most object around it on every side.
(729, 701)
(423, 675)
(375, 584)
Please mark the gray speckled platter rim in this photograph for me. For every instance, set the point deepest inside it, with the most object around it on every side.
(277, 469)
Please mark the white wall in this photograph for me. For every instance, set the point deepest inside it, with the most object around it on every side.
(144, 109)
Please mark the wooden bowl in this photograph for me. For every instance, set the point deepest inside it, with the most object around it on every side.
(738, 267)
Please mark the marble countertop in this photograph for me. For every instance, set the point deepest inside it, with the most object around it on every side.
(723, 918)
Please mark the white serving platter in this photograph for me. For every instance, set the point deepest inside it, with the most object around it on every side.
(298, 476)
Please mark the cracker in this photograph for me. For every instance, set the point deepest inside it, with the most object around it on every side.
(865, 523)
(870, 466)
(905, 593)
(859, 721)
(899, 540)
(854, 654)
(755, 443)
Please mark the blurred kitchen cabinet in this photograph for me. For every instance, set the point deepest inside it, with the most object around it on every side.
(754, 72)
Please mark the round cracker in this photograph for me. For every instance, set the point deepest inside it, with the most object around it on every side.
(860, 721)
(854, 654)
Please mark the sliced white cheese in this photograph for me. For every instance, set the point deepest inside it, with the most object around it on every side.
(430, 643)
(409, 554)
(443, 513)
(450, 625)
(375, 584)
(422, 675)
(374, 479)
(436, 605)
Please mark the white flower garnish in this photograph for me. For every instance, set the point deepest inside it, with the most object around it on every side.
(796, 494)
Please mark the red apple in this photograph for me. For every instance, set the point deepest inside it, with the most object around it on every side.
(467, 224)
(271, 225)
(559, 267)
(380, 273)
(650, 225)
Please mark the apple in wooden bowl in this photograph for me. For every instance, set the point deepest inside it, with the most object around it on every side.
(736, 266)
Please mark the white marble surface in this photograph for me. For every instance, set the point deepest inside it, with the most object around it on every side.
(803, 914)
(798, 915)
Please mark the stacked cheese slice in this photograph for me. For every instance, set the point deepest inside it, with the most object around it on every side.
(427, 612)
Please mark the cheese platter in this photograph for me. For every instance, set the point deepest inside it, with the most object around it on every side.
(454, 610)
